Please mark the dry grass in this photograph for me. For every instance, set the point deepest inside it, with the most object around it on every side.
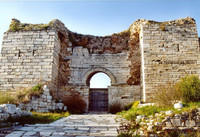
(22, 95)
(16, 25)
(166, 95)
(7, 98)
(187, 90)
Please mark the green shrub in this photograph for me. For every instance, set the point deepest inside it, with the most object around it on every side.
(75, 103)
(189, 87)
(115, 107)
(14, 26)
(186, 90)
(37, 87)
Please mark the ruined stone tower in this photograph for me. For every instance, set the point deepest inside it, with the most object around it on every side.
(138, 60)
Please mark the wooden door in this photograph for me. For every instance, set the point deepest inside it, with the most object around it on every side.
(98, 100)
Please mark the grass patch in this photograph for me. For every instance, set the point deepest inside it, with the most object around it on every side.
(135, 111)
(166, 96)
(22, 95)
(188, 107)
(131, 127)
(38, 118)
(152, 110)
(7, 98)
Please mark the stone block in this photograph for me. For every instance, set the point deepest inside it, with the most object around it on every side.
(9, 108)
(190, 123)
(49, 97)
(176, 122)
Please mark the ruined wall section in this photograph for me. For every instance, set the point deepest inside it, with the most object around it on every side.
(115, 43)
(170, 50)
(124, 42)
(84, 65)
(82, 61)
(27, 57)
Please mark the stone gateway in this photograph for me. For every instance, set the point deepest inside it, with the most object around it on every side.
(138, 60)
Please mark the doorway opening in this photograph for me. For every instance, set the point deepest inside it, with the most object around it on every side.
(98, 95)
(100, 80)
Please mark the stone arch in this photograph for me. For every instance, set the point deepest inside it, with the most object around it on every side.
(88, 75)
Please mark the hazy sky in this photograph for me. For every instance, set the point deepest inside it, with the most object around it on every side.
(96, 17)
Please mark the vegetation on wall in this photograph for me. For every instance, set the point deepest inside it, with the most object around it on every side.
(7, 97)
(187, 89)
(16, 25)
(22, 95)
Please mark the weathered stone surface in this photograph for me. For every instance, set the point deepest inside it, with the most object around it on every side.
(145, 56)
(190, 123)
(88, 125)
(184, 123)
(178, 105)
(170, 50)
(176, 122)
(10, 110)
(43, 103)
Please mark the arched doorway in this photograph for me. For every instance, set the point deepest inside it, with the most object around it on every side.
(98, 97)
(98, 93)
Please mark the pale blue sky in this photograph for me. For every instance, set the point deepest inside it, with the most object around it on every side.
(96, 17)
(100, 80)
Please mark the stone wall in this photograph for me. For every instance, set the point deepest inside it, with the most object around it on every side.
(11, 111)
(170, 50)
(27, 58)
(43, 103)
(168, 122)
(52, 53)
(123, 94)
(84, 65)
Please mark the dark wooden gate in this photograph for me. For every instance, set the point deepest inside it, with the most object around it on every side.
(98, 100)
